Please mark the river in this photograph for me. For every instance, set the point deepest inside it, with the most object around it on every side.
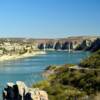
(30, 69)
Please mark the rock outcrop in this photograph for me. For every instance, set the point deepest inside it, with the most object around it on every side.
(95, 45)
(20, 91)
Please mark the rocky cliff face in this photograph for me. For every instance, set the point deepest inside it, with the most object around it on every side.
(95, 45)
(84, 45)
(20, 91)
(76, 43)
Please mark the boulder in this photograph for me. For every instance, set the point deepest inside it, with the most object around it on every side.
(20, 91)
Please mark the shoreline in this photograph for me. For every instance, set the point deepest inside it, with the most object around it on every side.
(64, 50)
(25, 55)
(17, 56)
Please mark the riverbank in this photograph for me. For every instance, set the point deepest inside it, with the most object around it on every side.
(81, 82)
(71, 51)
(68, 81)
(19, 56)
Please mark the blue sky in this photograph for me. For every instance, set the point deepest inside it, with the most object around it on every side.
(49, 18)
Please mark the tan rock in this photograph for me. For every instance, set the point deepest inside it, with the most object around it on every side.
(20, 91)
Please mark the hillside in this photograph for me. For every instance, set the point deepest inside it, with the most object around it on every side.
(92, 62)
(69, 83)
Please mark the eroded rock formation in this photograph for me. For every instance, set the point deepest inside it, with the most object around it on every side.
(95, 45)
(20, 91)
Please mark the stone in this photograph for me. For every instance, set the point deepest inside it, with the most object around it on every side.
(20, 91)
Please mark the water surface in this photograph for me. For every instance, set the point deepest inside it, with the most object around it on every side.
(30, 69)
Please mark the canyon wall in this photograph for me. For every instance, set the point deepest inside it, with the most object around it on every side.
(73, 43)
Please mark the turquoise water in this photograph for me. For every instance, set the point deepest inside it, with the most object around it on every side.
(30, 69)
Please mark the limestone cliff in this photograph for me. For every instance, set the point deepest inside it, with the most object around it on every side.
(95, 45)
(20, 91)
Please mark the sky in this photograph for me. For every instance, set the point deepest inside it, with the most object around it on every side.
(49, 18)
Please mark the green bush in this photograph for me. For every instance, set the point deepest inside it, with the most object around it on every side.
(92, 62)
